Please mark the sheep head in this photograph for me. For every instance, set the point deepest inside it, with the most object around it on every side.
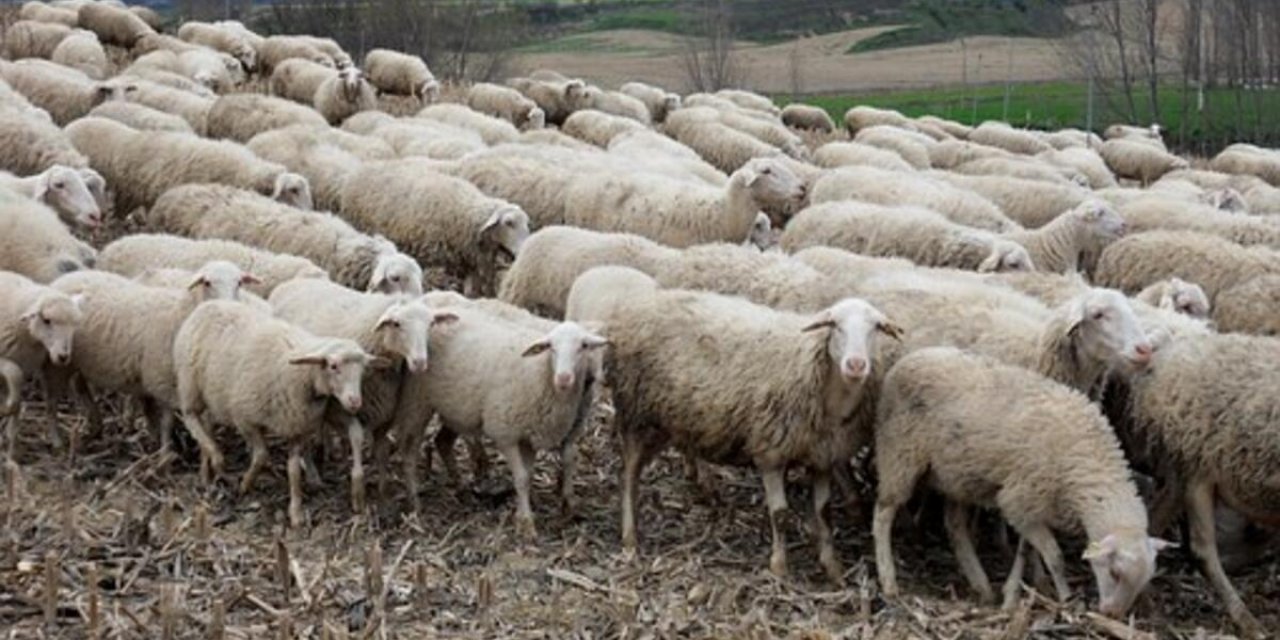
(64, 189)
(1104, 326)
(52, 320)
(395, 272)
(1123, 563)
(1006, 256)
(570, 346)
(505, 230)
(337, 368)
(851, 326)
(292, 189)
(1187, 298)
(220, 280)
(403, 330)
(770, 180)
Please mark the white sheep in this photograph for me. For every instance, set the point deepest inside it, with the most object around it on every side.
(808, 118)
(766, 130)
(241, 116)
(37, 323)
(1177, 295)
(506, 103)
(401, 74)
(35, 243)
(597, 127)
(1138, 161)
(557, 98)
(1215, 264)
(324, 156)
(749, 100)
(1070, 138)
(1003, 136)
(344, 95)
(863, 117)
(1052, 455)
(1158, 212)
(953, 153)
(658, 101)
(192, 107)
(238, 367)
(416, 137)
(81, 51)
(133, 254)
(356, 260)
(63, 189)
(726, 148)
(1150, 135)
(113, 25)
(911, 146)
(221, 39)
(274, 50)
(41, 12)
(536, 178)
(64, 92)
(1240, 160)
(950, 127)
(31, 39)
(217, 71)
(440, 220)
(651, 151)
(1260, 197)
(1084, 161)
(1027, 168)
(616, 103)
(1030, 203)
(843, 154)
(141, 117)
(492, 130)
(11, 100)
(33, 144)
(879, 186)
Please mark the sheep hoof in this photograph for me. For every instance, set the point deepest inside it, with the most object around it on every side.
(778, 566)
(835, 573)
(526, 529)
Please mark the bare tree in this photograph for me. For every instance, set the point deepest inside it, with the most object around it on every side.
(710, 61)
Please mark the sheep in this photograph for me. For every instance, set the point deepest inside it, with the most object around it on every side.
(81, 51)
(1177, 295)
(217, 71)
(1156, 212)
(1249, 307)
(597, 127)
(1082, 484)
(161, 75)
(395, 329)
(41, 12)
(923, 236)
(242, 116)
(30, 39)
(37, 323)
(558, 99)
(324, 156)
(141, 166)
(150, 16)
(719, 144)
(132, 254)
(1138, 161)
(221, 39)
(35, 243)
(343, 95)
(953, 153)
(658, 101)
(862, 117)
(506, 103)
(33, 144)
(673, 213)
(911, 146)
(276, 49)
(1069, 138)
(65, 93)
(115, 351)
(1003, 136)
(440, 220)
(353, 259)
(1084, 161)
(616, 103)
(492, 130)
(1216, 264)
(141, 117)
(807, 118)
(63, 189)
(181, 279)
(768, 131)
(541, 276)
(879, 186)
(11, 100)
(1030, 203)
(113, 25)
(329, 47)
(949, 127)
(410, 137)
(749, 100)
(189, 106)
(401, 74)
(843, 154)
(1224, 199)
(289, 367)
(1265, 165)
(1146, 135)
(1021, 167)
(534, 178)
(553, 137)
(789, 416)
(153, 42)
(653, 152)
(1260, 197)
(1073, 238)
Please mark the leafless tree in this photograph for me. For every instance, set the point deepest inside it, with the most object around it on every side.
(709, 59)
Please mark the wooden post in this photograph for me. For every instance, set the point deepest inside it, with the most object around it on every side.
(50, 589)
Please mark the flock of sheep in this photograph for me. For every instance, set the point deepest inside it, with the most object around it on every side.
(932, 295)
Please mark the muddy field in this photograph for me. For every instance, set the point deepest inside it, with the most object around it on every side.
(118, 544)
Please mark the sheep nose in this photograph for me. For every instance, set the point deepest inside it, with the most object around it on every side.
(353, 403)
(564, 381)
(855, 367)
(417, 365)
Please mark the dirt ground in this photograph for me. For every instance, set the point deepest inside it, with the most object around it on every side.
(137, 551)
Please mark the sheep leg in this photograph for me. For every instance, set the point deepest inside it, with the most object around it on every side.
(211, 460)
(411, 453)
(957, 522)
(1040, 537)
(355, 434)
(775, 498)
(54, 383)
(295, 486)
(479, 460)
(568, 471)
(161, 419)
(1165, 507)
(381, 455)
(1013, 584)
(636, 453)
(1204, 545)
(257, 458)
(520, 476)
(310, 473)
(822, 525)
(444, 441)
(85, 395)
(882, 532)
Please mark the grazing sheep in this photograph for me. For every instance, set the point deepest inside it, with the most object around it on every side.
(844, 154)
(911, 146)
(656, 153)
(492, 130)
(1236, 160)
(1146, 135)
(1051, 461)
(63, 189)
(241, 116)
(30, 39)
(791, 415)
(1030, 203)
(193, 108)
(1260, 197)
(1224, 199)
(353, 259)
(219, 72)
(440, 220)
(65, 93)
(169, 80)
(1084, 161)
(1249, 307)
(863, 117)
(288, 368)
(923, 236)
(1021, 167)
(1216, 264)
(808, 118)
(82, 51)
(749, 100)
(344, 95)
(141, 166)
(953, 153)
(37, 323)
(133, 254)
(153, 42)
(1178, 295)
(141, 117)
(658, 101)
(401, 74)
(879, 186)
(534, 178)
(221, 39)
(35, 243)
(674, 213)
(558, 99)
(113, 25)
(324, 156)
(33, 144)
(723, 146)
(1138, 161)
(276, 49)
(506, 103)
(41, 12)
(1003, 136)
(597, 127)
(767, 131)
(416, 137)
(1158, 212)
(553, 137)
(616, 103)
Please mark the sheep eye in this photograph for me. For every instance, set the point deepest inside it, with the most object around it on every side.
(395, 278)
(45, 321)
(59, 185)
(1098, 315)
(766, 171)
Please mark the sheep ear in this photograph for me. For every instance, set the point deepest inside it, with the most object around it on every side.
(822, 322)
(77, 300)
(309, 359)
(1100, 549)
(31, 312)
(249, 278)
(377, 362)
(494, 219)
(991, 264)
(594, 341)
(891, 329)
(43, 185)
(1159, 544)
(536, 348)
(444, 317)
(198, 281)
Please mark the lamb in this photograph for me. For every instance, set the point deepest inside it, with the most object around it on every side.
(1265, 164)
(132, 254)
(113, 25)
(1157, 212)
(923, 236)
(81, 51)
(616, 103)
(844, 154)
(114, 351)
(597, 127)
(324, 156)
(911, 146)
(220, 39)
(506, 103)
(30, 39)
(807, 118)
(1030, 203)
(953, 153)
(353, 259)
(219, 72)
(192, 107)
(63, 189)
(33, 145)
(1019, 167)
(749, 100)
(65, 93)
(37, 323)
(291, 367)
(142, 166)
(723, 146)
(344, 95)
(276, 49)
(440, 220)
(141, 117)
(1076, 476)
(790, 416)
(1138, 161)
(492, 130)
(1215, 264)
(1260, 197)
(558, 99)
(395, 329)
(1146, 135)
(673, 213)
(658, 101)
(416, 137)
(35, 243)
(1003, 136)
(41, 12)
(863, 117)
(1084, 161)
(879, 186)
(541, 276)
(1177, 295)
(401, 74)
(241, 116)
